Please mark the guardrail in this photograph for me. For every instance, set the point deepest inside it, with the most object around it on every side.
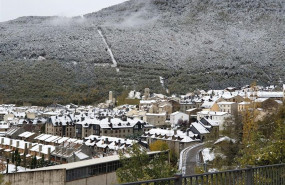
(261, 175)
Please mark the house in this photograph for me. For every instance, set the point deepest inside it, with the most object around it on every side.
(107, 145)
(137, 114)
(14, 131)
(84, 124)
(200, 130)
(116, 127)
(2, 114)
(185, 105)
(156, 119)
(175, 104)
(243, 106)
(26, 149)
(210, 106)
(229, 107)
(212, 126)
(230, 97)
(165, 106)
(27, 136)
(31, 115)
(177, 140)
(193, 114)
(61, 125)
(272, 95)
(146, 104)
(218, 117)
(113, 127)
(176, 117)
(4, 126)
(9, 117)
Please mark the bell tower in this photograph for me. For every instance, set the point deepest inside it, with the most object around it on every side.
(146, 93)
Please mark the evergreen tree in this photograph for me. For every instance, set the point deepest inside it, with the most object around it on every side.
(34, 162)
(42, 161)
(17, 159)
(13, 157)
(25, 160)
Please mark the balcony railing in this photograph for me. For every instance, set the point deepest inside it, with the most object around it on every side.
(262, 175)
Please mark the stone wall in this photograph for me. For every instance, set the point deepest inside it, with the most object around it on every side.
(105, 179)
(47, 177)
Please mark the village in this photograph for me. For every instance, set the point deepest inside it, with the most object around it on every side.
(44, 137)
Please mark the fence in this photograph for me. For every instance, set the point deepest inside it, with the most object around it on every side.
(262, 175)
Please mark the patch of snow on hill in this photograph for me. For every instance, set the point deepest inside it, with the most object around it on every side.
(208, 155)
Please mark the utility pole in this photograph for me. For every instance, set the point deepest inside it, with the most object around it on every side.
(205, 167)
(7, 166)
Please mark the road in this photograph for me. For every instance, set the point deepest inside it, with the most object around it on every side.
(190, 158)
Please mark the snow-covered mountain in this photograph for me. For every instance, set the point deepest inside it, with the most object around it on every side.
(233, 38)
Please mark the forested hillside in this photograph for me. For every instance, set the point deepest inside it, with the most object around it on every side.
(192, 44)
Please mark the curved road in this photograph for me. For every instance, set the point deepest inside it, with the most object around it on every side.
(190, 158)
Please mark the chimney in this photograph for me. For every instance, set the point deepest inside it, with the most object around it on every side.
(109, 119)
(2, 141)
(106, 141)
(17, 144)
(82, 118)
(11, 142)
(40, 148)
(56, 149)
(63, 150)
(49, 151)
(124, 118)
(26, 148)
(175, 131)
(30, 145)
(110, 96)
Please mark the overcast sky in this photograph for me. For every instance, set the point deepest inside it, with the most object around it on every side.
(12, 9)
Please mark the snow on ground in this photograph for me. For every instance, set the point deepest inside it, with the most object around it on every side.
(208, 155)
(11, 169)
(213, 170)
(134, 94)
(226, 138)
(162, 82)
